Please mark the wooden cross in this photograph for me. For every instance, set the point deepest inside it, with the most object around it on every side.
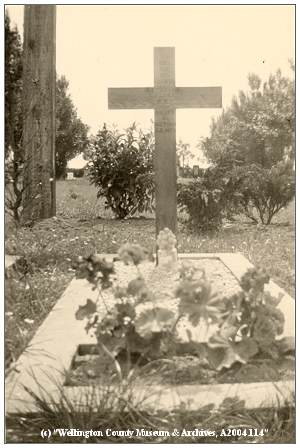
(165, 98)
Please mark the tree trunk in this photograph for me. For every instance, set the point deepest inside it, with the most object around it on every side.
(39, 112)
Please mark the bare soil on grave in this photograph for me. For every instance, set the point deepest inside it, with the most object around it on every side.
(177, 370)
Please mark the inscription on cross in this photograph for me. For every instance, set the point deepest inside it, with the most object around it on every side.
(165, 98)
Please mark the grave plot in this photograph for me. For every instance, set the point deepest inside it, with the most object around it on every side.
(61, 342)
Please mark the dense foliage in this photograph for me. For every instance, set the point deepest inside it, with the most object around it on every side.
(241, 328)
(13, 118)
(71, 133)
(13, 87)
(211, 197)
(258, 127)
(121, 168)
(224, 191)
(265, 191)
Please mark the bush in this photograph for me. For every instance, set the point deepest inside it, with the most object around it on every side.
(203, 206)
(211, 197)
(264, 192)
(222, 191)
(121, 168)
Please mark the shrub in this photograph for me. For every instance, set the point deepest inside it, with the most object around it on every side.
(121, 168)
(265, 191)
(222, 191)
(211, 197)
(203, 206)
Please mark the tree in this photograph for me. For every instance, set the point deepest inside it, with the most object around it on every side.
(71, 133)
(13, 86)
(253, 143)
(258, 127)
(13, 119)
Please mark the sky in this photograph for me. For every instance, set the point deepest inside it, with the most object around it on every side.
(101, 46)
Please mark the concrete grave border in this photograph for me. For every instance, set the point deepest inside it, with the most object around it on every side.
(10, 260)
(43, 364)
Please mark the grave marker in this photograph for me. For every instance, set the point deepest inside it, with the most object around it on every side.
(165, 98)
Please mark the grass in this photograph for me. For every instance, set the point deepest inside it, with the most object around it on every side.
(82, 226)
(270, 246)
(117, 410)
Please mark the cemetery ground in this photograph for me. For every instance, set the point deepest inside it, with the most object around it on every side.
(48, 249)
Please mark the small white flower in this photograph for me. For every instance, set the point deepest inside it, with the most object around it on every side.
(29, 321)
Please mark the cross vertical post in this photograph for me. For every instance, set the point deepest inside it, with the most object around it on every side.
(165, 140)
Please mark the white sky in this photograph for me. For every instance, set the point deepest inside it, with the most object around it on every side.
(112, 46)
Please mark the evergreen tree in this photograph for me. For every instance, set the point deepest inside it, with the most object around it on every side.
(71, 133)
(258, 127)
(13, 88)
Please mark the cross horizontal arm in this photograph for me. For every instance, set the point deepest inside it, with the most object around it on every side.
(189, 97)
(131, 98)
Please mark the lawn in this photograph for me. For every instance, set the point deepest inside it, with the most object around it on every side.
(83, 226)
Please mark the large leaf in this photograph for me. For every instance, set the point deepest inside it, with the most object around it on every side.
(135, 286)
(197, 301)
(223, 353)
(276, 316)
(271, 300)
(264, 331)
(154, 320)
(132, 254)
(86, 310)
